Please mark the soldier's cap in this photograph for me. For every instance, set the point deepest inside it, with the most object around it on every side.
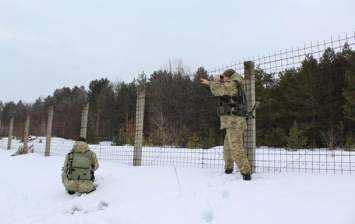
(228, 72)
(81, 139)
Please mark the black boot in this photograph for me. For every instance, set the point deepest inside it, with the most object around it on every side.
(246, 176)
(71, 192)
(228, 171)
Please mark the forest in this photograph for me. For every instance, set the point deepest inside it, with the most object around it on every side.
(311, 106)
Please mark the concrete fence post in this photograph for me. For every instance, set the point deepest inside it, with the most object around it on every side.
(11, 128)
(25, 135)
(49, 131)
(250, 133)
(138, 141)
(84, 120)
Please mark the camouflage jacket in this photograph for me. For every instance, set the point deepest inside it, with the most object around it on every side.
(229, 88)
(82, 147)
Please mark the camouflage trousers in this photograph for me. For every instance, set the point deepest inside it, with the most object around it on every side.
(233, 149)
(82, 186)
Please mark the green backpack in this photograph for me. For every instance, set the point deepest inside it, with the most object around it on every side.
(236, 105)
(80, 166)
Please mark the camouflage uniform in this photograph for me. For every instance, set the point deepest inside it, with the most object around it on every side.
(233, 150)
(83, 186)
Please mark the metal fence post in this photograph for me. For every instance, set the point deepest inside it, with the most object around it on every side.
(49, 131)
(11, 128)
(137, 156)
(25, 135)
(250, 133)
(84, 120)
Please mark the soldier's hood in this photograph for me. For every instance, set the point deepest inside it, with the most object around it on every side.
(81, 147)
(237, 77)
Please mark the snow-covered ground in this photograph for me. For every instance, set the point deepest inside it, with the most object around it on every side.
(31, 192)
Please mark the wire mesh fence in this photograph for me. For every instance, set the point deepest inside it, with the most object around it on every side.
(328, 160)
(178, 128)
(267, 159)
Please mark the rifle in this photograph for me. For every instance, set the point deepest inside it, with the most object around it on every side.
(250, 114)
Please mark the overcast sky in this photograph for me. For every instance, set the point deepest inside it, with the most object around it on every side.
(47, 44)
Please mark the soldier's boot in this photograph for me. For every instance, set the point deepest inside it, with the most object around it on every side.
(228, 171)
(246, 176)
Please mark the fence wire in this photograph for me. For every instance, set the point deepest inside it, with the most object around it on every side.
(303, 160)
(162, 127)
(267, 159)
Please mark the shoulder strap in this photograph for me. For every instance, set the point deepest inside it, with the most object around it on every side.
(70, 161)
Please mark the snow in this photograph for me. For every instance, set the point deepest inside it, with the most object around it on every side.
(31, 191)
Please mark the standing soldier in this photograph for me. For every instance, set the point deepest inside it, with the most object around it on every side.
(232, 110)
(79, 167)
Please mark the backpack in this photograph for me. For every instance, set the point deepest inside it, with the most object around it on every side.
(80, 166)
(233, 105)
(242, 100)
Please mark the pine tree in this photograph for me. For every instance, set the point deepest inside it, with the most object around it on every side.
(350, 142)
(296, 140)
(349, 91)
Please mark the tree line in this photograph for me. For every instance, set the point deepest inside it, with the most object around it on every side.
(309, 106)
